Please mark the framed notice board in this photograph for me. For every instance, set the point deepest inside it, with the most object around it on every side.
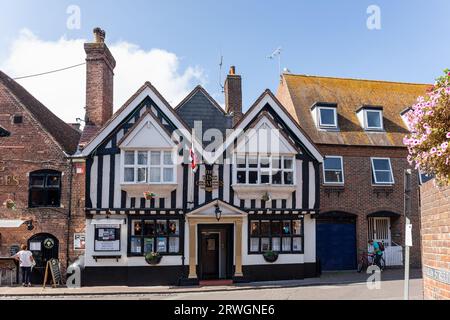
(107, 237)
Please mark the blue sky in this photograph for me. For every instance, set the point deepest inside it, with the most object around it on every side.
(328, 38)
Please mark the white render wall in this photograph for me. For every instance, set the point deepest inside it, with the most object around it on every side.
(309, 255)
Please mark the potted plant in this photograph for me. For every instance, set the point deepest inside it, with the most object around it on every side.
(10, 204)
(153, 258)
(270, 256)
(149, 195)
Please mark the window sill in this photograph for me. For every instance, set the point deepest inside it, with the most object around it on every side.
(162, 190)
(257, 191)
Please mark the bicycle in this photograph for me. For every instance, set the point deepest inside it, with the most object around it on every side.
(368, 259)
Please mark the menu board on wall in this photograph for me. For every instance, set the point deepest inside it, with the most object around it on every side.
(107, 238)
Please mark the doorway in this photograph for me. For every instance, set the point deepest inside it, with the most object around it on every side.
(44, 247)
(215, 251)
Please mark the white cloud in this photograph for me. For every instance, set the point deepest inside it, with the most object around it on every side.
(64, 92)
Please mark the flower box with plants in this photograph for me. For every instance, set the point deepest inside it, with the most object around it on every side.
(149, 195)
(270, 256)
(153, 258)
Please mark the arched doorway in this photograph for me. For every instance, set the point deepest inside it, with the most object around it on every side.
(44, 247)
(336, 240)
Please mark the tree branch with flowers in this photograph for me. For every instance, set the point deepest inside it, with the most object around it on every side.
(429, 123)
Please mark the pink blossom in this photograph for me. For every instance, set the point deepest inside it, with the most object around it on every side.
(439, 153)
(448, 135)
(433, 150)
(444, 146)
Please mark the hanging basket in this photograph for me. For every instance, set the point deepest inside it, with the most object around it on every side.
(149, 195)
(270, 256)
(153, 258)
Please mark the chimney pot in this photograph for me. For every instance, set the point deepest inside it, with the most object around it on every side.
(99, 35)
(232, 70)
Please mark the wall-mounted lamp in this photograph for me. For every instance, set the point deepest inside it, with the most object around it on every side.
(218, 212)
(29, 224)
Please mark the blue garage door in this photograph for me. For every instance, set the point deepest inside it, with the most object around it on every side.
(336, 244)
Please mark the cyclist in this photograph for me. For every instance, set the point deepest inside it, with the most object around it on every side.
(377, 253)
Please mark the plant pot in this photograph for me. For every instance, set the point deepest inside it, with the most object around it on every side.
(271, 257)
(153, 261)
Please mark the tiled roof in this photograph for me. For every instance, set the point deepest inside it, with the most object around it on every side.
(66, 136)
(4, 132)
(299, 92)
(200, 106)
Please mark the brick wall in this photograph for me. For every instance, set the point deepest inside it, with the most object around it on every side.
(360, 197)
(29, 148)
(435, 212)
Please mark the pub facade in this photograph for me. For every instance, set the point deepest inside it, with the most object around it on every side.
(195, 193)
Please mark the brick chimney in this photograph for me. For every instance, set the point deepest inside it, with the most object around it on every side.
(233, 95)
(99, 80)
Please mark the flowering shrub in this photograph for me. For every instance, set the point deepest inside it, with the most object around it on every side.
(429, 123)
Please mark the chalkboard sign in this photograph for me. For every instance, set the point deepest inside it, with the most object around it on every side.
(53, 267)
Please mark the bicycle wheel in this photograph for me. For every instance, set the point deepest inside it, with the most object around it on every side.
(360, 266)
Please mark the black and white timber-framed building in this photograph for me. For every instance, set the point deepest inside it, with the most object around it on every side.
(256, 188)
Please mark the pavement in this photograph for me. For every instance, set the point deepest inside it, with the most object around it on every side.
(345, 285)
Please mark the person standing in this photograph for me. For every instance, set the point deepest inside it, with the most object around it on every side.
(377, 252)
(26, 261)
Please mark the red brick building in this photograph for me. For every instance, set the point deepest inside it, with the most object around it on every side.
(35, 175)
(358, 127)
(435, 222)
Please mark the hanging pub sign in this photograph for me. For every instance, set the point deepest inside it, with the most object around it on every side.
(209, 181)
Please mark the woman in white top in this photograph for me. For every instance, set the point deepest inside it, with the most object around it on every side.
(26, 260)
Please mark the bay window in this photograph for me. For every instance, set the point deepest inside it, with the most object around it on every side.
(253, 169)
(276, 234)
(155, 166)
(154, 235)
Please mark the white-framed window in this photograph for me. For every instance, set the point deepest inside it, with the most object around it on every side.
(148, 166)
(333, 170)
(327, 117)
(382, 171)
(373, 119)
(254, 169)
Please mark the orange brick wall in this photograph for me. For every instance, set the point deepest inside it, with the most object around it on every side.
(435, 213)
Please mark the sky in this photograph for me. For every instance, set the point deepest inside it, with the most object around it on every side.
(179, 44)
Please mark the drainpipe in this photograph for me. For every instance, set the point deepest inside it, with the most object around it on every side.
(69, 214)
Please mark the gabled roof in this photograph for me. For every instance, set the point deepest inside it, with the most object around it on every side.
(299, 92)
(147, 115)
(147, 89)
(4, 132)
(200, 106)
(64, 134)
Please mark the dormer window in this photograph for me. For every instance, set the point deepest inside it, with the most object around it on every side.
(371, 117)
(325, 115)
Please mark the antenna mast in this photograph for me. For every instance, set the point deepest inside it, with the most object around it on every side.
(276, 53)
(220, 74)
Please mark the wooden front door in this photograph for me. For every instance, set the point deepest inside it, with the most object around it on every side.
(44, 247)
(209, 266)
